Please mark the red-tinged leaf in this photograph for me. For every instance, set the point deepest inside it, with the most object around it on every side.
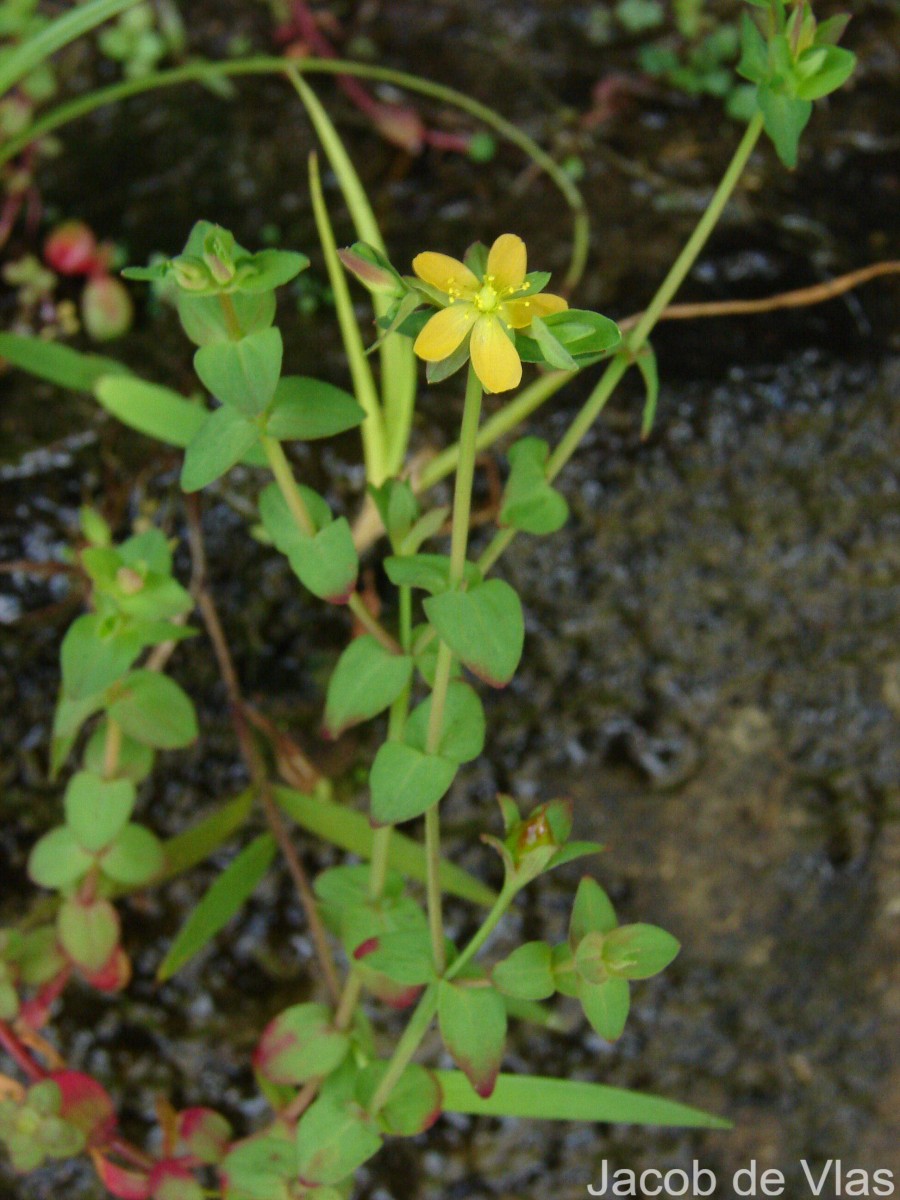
(473, 1025)
(114, 975)
(299, 1044)
(87, 1105)
(205, 1133)
(126, 1185)
(88, 932)
(414, 1103)
(484, 627)
(172, 1180)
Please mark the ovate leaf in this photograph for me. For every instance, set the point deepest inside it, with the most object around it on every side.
(155, 711)
(473, 1026)
(151, 409)
(529, 502)
(527, 974)
(462, 729)
(97, 809)
(222, 440)
(307, 409)
(88, 932)
(605, 1006)
(484, 627)
(413, 1105)
(405, 782)
(365, 681)
(242, 374)
(135, 858)
(300, 1043)
(333, 1140)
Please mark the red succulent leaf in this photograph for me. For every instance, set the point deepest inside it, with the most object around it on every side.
(205, 1133)
(87, 1105)
(114, 975)
(126, 1185)
(71, 249)
(172, 1180)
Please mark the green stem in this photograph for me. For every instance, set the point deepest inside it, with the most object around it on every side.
(112, 748)
(372, 428)
(409, 1042)
(371, 624)
(202, 72)
(501, 904)
(465, 474)
(287, 485)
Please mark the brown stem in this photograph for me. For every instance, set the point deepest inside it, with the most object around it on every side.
(798, 298)
(249, 750)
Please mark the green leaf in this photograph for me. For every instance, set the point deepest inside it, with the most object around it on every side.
(554, 352)
(646, 364)
(155, 711)
(96, 652)
(405, 782)
(260, 1168)
(426, 527)
(270, 269)
(97, 809)
(134, 761)
(88, 932)
(333, 1140)
(463, 728)
(198, 841)
(203, 318)
(428, 571)
(223, 900)
(365, 681)
(56, 859)
(341, 826)
(397, 506)
(537, 1097)
(223, 439)
(572, 851)
(483, 627)
(833, 67)
(592, 912)
(403, 955)
(585, 335)
(151, 409)
(413, 1105)
(135, 858)
(473, 1027)
(638, 951)
(242, 374)
(299, 1044)
(57, 364)
(605, 1006)
(754, 62)
(527, 974)
(306, 409)
(326, 564)
(785, 119)
(529, 502)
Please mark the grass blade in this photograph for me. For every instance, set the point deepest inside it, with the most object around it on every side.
(351, 831)
(535, 1096)
(224, 899)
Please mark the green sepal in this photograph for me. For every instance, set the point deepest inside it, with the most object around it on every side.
(224, 438)
(472, 1022)
(97, 809)
(305, 409)
(529, 502)
(463, 727)
(242, 374)
(484, 628)
(405, 783)
(365, 681)
(155, 711)
(527, 973)
(554, 352)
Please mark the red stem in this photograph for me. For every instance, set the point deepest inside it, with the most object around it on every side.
(20, 1054)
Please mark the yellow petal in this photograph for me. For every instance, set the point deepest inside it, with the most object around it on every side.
(445, 273)
(507, 263)
(494, 357)
(519, 313)
(444, 332)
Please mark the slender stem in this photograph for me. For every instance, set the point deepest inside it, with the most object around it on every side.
(465, 473)
(348, 1001)
(587, 415)
(231, 318)
(487, 927)
(433, 888)
(371, 624)
(407, 1046)
(284, 477)
(112, 748)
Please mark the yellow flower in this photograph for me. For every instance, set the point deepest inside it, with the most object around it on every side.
(485, 310)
